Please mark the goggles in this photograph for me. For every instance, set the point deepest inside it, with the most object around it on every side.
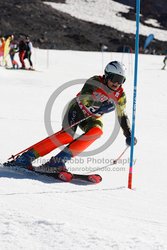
(116, 78)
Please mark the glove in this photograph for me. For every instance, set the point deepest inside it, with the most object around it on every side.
(128, 140)
(106, 107)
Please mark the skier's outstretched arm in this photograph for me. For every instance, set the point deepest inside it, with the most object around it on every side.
(124, 120)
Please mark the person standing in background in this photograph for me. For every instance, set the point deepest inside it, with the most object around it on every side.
(13, 50)
(22, 52)
(28, 52)
(2, 45)
(165, 62)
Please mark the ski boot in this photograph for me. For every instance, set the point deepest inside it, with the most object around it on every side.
(24, 160)
(51, 169)
(56, 166)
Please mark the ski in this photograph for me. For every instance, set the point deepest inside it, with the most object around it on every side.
(68, 176)
(24, 69)
(64, 176)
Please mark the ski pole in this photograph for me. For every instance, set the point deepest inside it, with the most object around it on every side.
(113, 163)
(57, 133)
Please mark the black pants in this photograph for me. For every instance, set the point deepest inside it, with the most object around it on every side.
(28, 56)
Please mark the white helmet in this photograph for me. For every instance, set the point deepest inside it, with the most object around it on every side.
(115, 71)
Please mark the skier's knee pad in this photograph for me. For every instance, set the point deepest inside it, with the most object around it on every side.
(94, 133)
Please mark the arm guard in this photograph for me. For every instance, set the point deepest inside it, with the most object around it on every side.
(122, 117)
(125, 125)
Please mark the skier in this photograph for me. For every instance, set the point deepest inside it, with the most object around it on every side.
(22, 51)
(13, 50)
(28, 52)
(2, 45)
(99, 95)
(165, 62)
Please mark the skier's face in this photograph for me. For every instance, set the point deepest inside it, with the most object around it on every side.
(113, 85)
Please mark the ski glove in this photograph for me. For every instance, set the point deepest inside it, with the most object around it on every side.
(128, 140)
(106, 107)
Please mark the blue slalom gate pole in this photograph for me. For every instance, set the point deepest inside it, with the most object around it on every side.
(134, 93)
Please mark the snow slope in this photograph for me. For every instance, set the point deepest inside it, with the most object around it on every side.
(40, 213)
(106, 12)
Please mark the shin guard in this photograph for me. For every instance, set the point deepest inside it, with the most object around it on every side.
(50, 143)
(80, 144)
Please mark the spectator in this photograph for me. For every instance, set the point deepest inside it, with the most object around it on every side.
(2, 45)
(28, 52)
(164, 61)
(13, 50)
(22, 52)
